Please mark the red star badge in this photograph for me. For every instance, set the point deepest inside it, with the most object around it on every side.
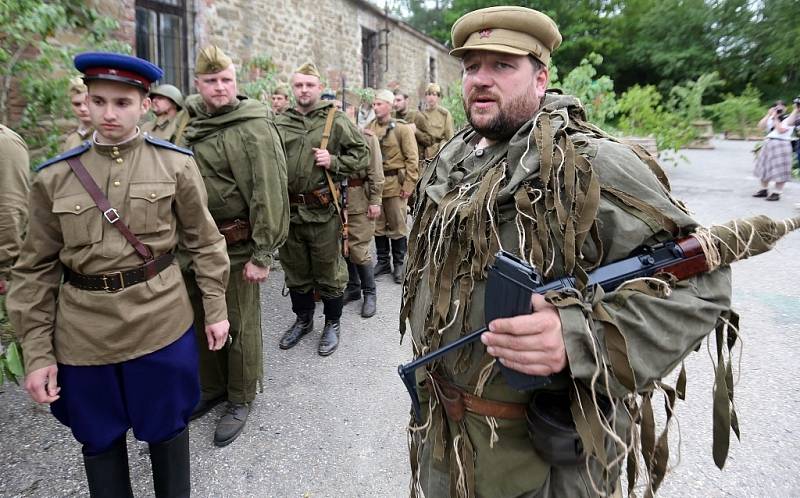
(485, 33)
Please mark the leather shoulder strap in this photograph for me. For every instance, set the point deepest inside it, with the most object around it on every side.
(326, 132)
(110, 214)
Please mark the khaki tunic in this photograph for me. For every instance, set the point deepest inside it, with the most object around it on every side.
(361, 228)
(76, 138)
(400, 156)
(440, 124)
(159, 194)
(453, 296)
(166, 128)
(422, 133)
(14, 188)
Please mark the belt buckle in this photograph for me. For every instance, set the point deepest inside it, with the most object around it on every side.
(110, 275)
(113, 213)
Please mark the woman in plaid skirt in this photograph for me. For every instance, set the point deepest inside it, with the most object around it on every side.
(774, 160)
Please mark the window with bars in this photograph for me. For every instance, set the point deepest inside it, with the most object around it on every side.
(161, 37)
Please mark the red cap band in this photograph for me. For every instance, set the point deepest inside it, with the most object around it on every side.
(119, 73)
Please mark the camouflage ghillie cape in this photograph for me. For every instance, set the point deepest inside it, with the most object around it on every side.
(567, 198)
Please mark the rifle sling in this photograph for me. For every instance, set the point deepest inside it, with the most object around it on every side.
(110, 214)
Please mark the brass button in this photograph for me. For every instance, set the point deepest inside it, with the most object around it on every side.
(115, 148)
(77, 207)
(152, 196)
(119, 160)
(116, 183)
(115, 153)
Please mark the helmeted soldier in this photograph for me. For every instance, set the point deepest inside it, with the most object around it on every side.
(113, 348)
(14, 188)
(80, 109)
(170, 119)
(240, 156)
(312, 256)
(440, 121)
(401, 171)
(529, 175)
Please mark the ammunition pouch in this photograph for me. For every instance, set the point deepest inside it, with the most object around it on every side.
(234, 231)
(320, 197)
(552, 428)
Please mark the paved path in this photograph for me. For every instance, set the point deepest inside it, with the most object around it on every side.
(334, 427)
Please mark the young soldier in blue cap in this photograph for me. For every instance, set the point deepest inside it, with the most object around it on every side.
(113, 348)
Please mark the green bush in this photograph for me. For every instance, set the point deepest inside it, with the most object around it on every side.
(738, 113)
(453, 103)
(641, 112)
(596, 94)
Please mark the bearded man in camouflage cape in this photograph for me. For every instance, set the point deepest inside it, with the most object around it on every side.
(531, 176)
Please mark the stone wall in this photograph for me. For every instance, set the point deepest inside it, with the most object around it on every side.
(327, 32)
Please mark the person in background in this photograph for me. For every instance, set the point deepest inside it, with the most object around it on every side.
(774, 159)
(80, 108)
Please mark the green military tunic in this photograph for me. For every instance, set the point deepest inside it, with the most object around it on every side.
(440, 126)
(359, 198)
(401, 169)
(471, 204)
(240, 156)
(14, 188)
(311, 257)
(167, 128)
(159, 194)
(76, 138)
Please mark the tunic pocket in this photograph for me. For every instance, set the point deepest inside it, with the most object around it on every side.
(81, 222)
(151, 206)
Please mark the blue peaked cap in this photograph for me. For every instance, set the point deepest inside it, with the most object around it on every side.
(118, 67)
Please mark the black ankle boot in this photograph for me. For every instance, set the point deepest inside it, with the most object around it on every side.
(368, 307)
(108, 474)
(399, 247)
(384, 265)
(329, 341)
(303, 307)
(353, 290)
(170, 462)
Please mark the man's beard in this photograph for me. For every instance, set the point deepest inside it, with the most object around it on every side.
(510, 117)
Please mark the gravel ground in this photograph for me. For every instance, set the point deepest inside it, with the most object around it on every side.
(334, 427)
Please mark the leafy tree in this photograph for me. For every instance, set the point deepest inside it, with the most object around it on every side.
(596, 94)
(738, 113)
(32, 57)
(642, 112)
(453, 102)
(687, 99)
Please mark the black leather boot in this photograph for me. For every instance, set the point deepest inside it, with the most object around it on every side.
(303, 307)
(330, 333)
(170, 462)
(353, 290)
(384, 266)
(368, 288)
(108, 474)
(398, 258)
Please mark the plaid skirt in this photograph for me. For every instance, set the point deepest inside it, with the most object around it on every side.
(774, 161)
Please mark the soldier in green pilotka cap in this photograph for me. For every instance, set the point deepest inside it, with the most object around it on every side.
(312, 256)
(240, 155)
(401, 169)
(531, 176)
(78, 93)
(167, 105)
(280, 99)
(440, 121)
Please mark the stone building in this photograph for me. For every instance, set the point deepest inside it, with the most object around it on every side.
(353, 39)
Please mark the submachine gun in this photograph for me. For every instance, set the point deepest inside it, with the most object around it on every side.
(512, 282)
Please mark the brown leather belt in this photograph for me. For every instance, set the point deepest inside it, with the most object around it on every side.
(392, 172)
(456, 401)
(118, 280)
(320, 197)
(234, 231)
(355, 182)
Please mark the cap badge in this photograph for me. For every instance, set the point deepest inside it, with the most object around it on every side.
(485, 33)
(112, 71)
